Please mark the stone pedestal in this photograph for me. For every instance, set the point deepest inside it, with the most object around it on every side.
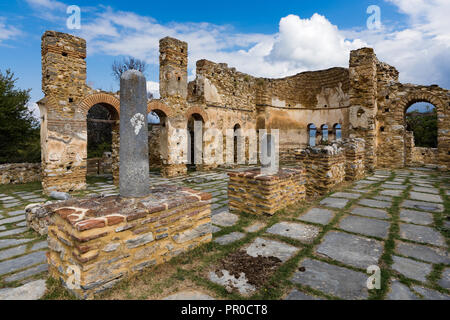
(96, 242)
(251, 192)
(325, 167)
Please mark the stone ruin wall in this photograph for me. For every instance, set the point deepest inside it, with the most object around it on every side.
(354, 97)
(15, 173)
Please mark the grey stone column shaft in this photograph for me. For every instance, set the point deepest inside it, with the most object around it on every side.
(134, 167)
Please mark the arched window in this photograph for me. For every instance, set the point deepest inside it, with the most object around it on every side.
(312, 134)
(337, 131)
(324, 129)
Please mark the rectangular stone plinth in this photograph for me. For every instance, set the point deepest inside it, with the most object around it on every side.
(325, 168)
(354, 158)
(106, 239)
(251, 192)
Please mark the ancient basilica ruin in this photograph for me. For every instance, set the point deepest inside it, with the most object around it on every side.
(365, 101)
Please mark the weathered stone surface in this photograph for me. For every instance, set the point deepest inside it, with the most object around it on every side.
(229, 238)
(421, 252)
(425, 197)
(188, 295)
(366, 226)
(425, 189)
(31, 291)
(416, 217)
(59, 195)
(399, 291)
(298, 231)
(8, 266)
(8, 253)
(317, 215)
(411, 268)
(27, 273)
(421, 234)
(370, 212)
(391, 193)
(298, 295)
(375, 203)
(134, 165)
(353, 250)
(224, 219)
(271, 248)
(429, 294)
(346, 195)
(255, 227)
(424, 206)
(445, 279)
(334, 202)
(333, 280)
(4, 243)
(229, 281)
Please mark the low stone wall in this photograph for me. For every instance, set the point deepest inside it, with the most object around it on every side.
(14, 173)
(354, 158)
(325, 168)
(251, 192)
(106, 239)
(424, 156)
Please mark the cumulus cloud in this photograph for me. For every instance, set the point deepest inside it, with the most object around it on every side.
(153, 88)
(47, 4)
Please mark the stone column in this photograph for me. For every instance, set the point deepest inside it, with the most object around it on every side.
(134, 167)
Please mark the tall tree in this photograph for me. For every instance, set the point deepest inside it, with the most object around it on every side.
(19, 130)
(129, 63)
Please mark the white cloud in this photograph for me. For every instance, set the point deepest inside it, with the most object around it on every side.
(153, 88)
(420, 51)
(7, 32)
(47, 4)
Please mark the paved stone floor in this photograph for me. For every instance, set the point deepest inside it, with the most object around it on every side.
(393, 219)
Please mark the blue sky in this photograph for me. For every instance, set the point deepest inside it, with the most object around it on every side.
(263, 38)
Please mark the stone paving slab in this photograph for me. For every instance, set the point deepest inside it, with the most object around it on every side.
(421, 252)
(229, 281)
(375, 203)
(424, 206)
(411, 269)
(229, 238)
(426, 190)
(4, 243)
(12, 232)
(22, 262)
(188, 295)
(365, 226)
(224, 219)
(15, 251)
(255, 227)
(12, 220)
(399, 291)
(382, 198)
(317, 215)
(31, 291)
(444, 282)
(27, 273)
(427, 197)
(421, 234)
(346, 195)
(350, 249)
(429, 294)
(16, 212)
(298, 231)
(331, 202)
(393, 186)
(298, 295)
(370, 212)
(333, 280)
(271, 248)
(416, 217)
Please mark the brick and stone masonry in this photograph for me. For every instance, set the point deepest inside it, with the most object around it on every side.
(325, 168)
(14, 173)
(354, 149)
(96, 242)
(251, 192)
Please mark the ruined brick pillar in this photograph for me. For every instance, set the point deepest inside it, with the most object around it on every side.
(173, 61)
(63, 125)
(363, 101)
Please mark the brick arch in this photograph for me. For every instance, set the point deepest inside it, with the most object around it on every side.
(417, 96)
(99, 98)
(158, 105)
(198, 110)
